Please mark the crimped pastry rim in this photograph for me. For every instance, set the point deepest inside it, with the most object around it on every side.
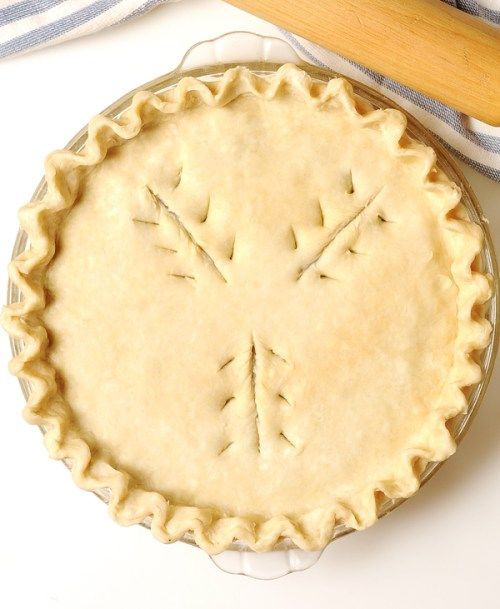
(14, 317)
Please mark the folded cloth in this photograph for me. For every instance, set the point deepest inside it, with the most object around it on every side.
(30, 24)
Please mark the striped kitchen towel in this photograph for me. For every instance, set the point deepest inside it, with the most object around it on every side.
(30, 24)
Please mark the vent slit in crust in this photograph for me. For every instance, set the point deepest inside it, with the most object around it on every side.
(205, 217)
(227, 402)
(224, 448)
(141, 221)
(181, 276)
(166, 249)
(282, 435)
(226, 363)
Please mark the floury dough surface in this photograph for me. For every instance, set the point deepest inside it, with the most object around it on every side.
(253, 307)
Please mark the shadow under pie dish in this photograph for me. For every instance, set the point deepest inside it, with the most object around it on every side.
(248, 309)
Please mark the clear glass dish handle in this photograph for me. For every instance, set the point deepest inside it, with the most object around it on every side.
(237, 47)
(269, 565)
(243, 47)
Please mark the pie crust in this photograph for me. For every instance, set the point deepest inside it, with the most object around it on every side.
(248, 310)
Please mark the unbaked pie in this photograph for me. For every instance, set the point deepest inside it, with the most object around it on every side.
(248, 309)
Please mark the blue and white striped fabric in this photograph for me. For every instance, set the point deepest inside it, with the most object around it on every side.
(29, 24)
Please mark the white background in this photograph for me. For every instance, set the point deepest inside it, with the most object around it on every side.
(58, 548)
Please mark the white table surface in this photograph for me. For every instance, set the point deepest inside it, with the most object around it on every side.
(58, 547)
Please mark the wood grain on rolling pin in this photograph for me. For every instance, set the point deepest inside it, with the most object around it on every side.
(425, 44)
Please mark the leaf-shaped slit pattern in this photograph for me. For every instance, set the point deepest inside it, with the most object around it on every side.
(343, 226)
(160, 204)
(253, 390)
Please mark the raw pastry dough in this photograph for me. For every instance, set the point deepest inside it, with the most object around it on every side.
(247, 309)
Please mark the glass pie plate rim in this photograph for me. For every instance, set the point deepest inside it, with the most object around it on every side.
(262, 50)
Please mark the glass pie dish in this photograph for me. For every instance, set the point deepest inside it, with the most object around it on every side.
(263, 55)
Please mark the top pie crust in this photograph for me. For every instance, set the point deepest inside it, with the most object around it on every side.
(248, 309)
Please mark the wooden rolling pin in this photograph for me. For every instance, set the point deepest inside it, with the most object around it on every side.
(425, 44)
